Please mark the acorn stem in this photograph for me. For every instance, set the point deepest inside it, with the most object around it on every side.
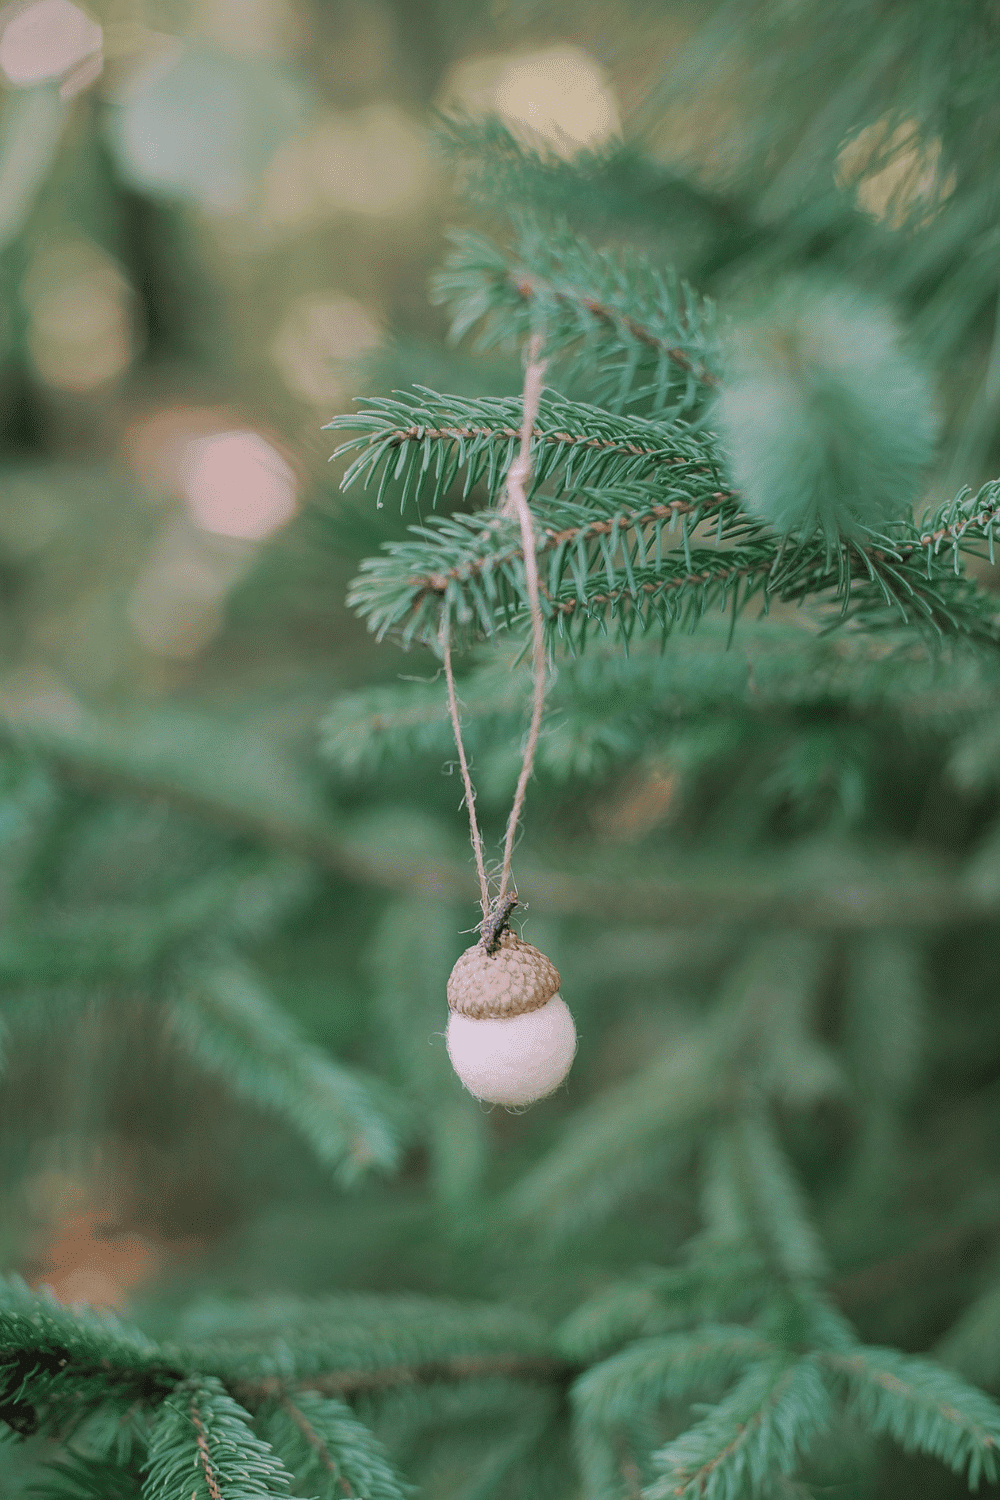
(493, 927)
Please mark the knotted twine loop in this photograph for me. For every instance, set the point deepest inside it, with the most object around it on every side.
(496, 912)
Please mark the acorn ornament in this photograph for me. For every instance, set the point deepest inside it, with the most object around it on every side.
(511, 1037)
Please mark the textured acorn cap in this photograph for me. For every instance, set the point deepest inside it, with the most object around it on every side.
(514, 979)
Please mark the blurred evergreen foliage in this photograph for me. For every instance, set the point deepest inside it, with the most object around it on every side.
(752, 1248)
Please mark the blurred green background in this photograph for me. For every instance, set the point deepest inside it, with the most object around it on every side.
(217, 222)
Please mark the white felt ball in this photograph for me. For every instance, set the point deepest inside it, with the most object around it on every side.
(513, 1059)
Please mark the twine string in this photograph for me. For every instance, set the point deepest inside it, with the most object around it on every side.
(518, 479)
(470, 791)
(515, 504)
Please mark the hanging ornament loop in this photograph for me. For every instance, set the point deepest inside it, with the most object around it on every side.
(497, 909)
(510, 1036)
(516, 504)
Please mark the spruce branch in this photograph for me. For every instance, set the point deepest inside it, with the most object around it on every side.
(969, 517)
(455, 1368)
(225, 1018)
(341, 1344)
(639, 334)
(329, 1451)
(78, 1476)
(722, 1285)
(756, 1432)
(82, 946)
(621, 1140)
(601, 535)
(675, 1367)
(923, 1407)
(470, 569)
(775, 1204)
(878, 893)
(613, 186)
(776, 668)
(423, 440)
(202, 1447)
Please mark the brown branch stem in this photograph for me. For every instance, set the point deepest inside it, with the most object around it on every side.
(548, 540)
(317, 1444)
(527, 286)
(211, 1482)
(416, 433)
(456, 1367)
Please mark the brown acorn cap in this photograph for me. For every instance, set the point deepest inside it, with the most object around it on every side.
(514, 979)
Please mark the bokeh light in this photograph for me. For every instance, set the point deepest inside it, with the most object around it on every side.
(250, 28)
(203, 124)
(319, 344)
(176, 606)
(179, 597)
(895, 171)
(559, 96)
(44, 40)
(372, 161)
(237, 485)
(79, 306)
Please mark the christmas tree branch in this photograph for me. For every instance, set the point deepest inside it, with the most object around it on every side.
(758, 1430)
(602, 533)
(642, 335)
(228, 1022)
(468, 568)
(418, 1372)
(903, 895)
(922, 1406)
(330, 1450)
(424, 440)
(200, 1428)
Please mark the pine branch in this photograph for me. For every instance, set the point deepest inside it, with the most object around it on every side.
(457, 1369)
(52, 1337)
(365, 730)
(229, 1024)
(616, 571)
(614, 186)
(640, 335)
(775, 1204)
(468, 567)
(82, 945)
(472, 568)
(969, 516)
(202, 1447)
(776, 667)
(341, 1344)
(923, 1407)
(331, 1453)
(675, 1367)
(857, 898)
(972, 1344)
(425, 440)
(65, 1369)
(75, 1476)
(754, 1434)
(622, 1140)
(725, 1283)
